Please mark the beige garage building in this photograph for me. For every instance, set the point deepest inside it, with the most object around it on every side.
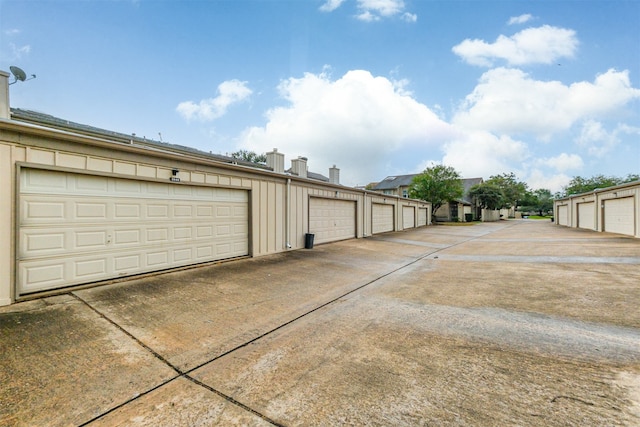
(614, 210)
(80, 206)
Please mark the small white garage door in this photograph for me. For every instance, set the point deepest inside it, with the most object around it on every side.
(586, 215)
(619, 216)
(381, 218)
(563, 215)
(76, 228)
(331, 219)
(422, 216)
(408, 217)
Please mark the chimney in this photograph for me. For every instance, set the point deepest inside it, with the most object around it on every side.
(4, 96)
(299, 167)
(334, 175)
(275, 161)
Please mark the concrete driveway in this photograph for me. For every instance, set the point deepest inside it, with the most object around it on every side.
(509, 323)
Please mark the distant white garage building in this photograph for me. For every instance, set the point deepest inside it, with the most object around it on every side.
(613, 210)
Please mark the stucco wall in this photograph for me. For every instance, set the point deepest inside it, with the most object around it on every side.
(490, 215)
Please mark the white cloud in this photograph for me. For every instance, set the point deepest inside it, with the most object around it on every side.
(538, 179)
(384, 8)
(595, 139)
(510, 101)
(410, 17)
(481, 154)
(541, 45)
(598, 141)
(367, 16)
(374, 10)
(356, 121)
(563, 162)
(331, 5)
(229, 92)
(12, 32)
(522, 19)
(18, 52)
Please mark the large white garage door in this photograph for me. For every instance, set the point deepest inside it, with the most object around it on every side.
(408, 217)
(422, 216)
(331, 219)
(586, 215)
(76, 228)
(382, 218)
(563, 215)
(619, 216)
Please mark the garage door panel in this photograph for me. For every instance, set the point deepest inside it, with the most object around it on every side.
(563, 215)
(204, 232)
(182, 211)
(586, 215)
(125, 264)
(34, 211)
(66, 239)
(127, 211)
(90, 268)
(91, 183)
(43, 275)
(127, 237)
(157, 211)
(43, 181)
(382, 218)
(331, 220)
(157, 235)
(181, 233)
(127, 187)
(204, 252)
(157, 258)
(90, 239)
(408, 217)
(422, 216)
(619, 216)
(204, 212)
(156, 189)
(45, 242)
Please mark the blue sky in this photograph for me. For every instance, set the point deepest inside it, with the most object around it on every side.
(545, 89)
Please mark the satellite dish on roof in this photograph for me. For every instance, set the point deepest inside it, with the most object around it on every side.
(19, 74)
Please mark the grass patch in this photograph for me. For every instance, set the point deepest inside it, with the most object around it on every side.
(538, 217)
(455, 224)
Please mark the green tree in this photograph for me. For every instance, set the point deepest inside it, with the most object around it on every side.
(488, 196)
(512, 189)
(632, 177)
(249, 156)
(540, 201)
(438, 184)
(545, 200)
(579, 185)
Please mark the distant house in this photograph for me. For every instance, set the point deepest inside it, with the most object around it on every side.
(395, 185)
(465, 209)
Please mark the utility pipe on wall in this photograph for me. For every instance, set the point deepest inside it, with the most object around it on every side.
(287, 214)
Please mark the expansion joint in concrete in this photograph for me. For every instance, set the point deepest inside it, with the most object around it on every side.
(233, 401)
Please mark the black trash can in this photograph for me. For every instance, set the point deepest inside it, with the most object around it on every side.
(468, 217)
(308, 240)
